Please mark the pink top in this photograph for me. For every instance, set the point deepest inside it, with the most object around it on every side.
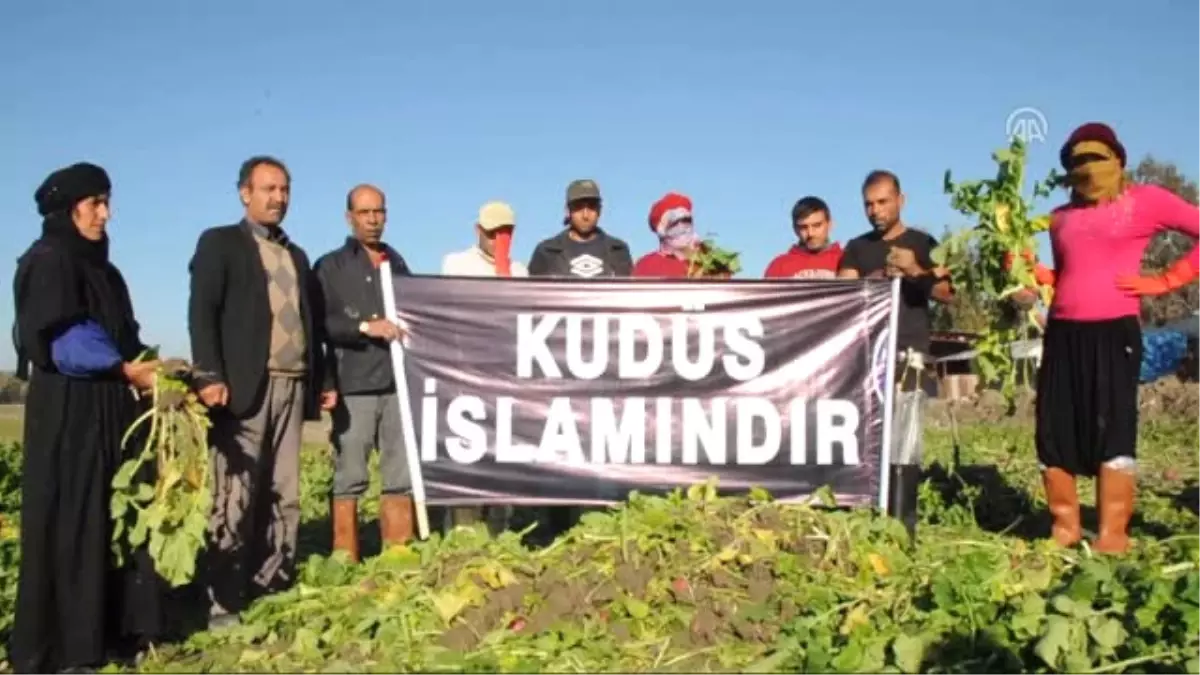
(1093, 246)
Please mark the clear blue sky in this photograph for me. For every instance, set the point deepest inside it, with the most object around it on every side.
(745, 106)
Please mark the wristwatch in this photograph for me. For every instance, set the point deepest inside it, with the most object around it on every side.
(363, 326)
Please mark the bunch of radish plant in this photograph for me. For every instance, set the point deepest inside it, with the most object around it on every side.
(710, 260)
(1004, 224)
(162, 494)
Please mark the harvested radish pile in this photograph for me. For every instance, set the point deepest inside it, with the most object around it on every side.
(162, 494)
(696, 583)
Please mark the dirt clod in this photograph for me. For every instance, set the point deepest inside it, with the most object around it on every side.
(704, 627)
(723, 536)
(787, 610)
(632, 579)
(760, 589)
(722, 579)
(770, 519)
(1168, 398)
(459, 638)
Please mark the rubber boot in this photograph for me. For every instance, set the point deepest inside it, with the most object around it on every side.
(345, 526)
(464, 515)
(1063, 497)
(395, 519)
(1114, 501)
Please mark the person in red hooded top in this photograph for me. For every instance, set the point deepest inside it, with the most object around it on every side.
(813, 257)
(671, 220)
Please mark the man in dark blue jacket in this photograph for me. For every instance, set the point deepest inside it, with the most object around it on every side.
(367, 415)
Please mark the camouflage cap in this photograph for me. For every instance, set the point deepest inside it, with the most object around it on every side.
(584, 188)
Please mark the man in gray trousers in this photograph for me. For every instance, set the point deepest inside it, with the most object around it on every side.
(367, 415)
(254, 321)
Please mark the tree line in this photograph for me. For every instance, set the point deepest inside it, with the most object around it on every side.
(12, 390)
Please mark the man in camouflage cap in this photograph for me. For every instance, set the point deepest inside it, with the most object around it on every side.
(582, 250)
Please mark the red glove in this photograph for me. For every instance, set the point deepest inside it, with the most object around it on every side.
(1041, 274)
(1009, 258)
(1182, 273)
(1044, 275)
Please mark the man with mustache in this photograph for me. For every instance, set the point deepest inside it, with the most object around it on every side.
(254, 321)
(366, 415)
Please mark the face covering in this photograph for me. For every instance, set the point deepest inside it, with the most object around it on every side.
(678, 238)
(503, 253)
(1101, 177)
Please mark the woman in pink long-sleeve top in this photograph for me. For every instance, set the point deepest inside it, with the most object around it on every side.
(1087, 402)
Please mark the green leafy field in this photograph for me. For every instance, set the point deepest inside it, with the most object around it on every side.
(697, 583)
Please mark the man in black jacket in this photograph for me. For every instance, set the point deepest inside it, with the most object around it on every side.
(253, 318)
(582, 250)
(367, 415)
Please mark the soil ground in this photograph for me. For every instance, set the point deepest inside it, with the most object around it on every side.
(1169, 399)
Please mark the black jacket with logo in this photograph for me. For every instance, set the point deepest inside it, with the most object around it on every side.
(549, 258)
(353, 293)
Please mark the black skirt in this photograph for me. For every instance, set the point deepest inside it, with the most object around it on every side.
(1087, 393)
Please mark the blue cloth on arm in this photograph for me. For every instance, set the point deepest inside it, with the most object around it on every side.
(83, 350)
(1162, 353)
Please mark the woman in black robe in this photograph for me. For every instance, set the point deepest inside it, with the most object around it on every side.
(75, 326)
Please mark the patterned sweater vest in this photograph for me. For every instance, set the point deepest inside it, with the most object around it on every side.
(288, 354)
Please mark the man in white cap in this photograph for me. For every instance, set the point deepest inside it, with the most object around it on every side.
(491, 255)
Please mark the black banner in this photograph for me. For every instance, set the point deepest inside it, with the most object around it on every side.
(532, 391)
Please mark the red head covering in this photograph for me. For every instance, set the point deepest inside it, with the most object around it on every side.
(1092, 131)
(669, 202)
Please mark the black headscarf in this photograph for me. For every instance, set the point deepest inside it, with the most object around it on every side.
(57, 196)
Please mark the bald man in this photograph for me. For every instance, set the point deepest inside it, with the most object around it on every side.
(366, 415)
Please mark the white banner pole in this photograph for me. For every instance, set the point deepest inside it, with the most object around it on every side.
(412, 453)
(889, 405)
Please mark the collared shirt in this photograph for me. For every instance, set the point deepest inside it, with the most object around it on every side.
(352, 292)
(275, 235)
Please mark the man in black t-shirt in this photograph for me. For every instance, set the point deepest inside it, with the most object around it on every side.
(894, 250)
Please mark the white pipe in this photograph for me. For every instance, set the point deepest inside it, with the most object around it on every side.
(411, 452)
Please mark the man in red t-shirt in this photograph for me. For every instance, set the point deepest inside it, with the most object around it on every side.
(671, 220)
(813, 257)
